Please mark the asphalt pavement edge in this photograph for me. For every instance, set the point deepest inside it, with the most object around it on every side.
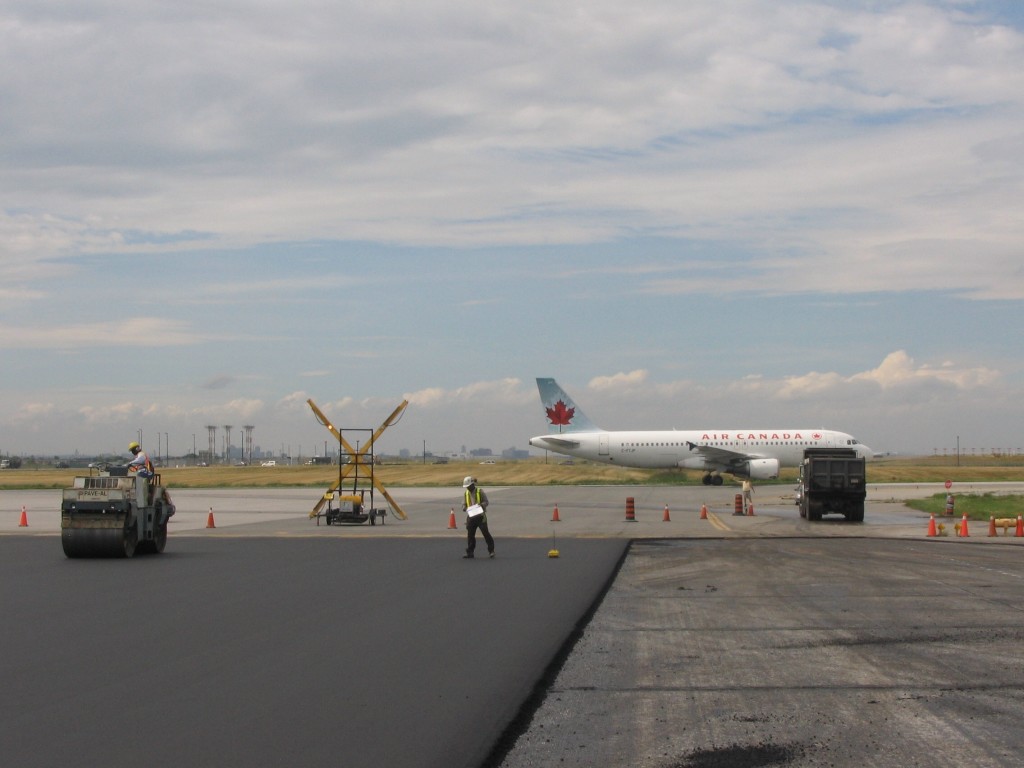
(522, 721)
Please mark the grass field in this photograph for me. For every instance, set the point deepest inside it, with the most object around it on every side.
(977, 506)
(528, 472)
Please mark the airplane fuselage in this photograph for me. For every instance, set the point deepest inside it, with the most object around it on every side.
(698, 449)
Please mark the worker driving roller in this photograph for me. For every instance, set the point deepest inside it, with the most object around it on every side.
(140, 463)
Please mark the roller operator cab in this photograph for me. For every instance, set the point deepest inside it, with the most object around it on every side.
(114, 514)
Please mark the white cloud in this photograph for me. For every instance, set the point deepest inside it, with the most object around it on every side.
(32, 411)
(899, 369)
(798, 130)
(294, 401)
(242, 408)
(619, 381)
(488, 393)
(135, 332)
(813, 383)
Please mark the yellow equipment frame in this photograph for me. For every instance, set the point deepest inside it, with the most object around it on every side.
(358, 458)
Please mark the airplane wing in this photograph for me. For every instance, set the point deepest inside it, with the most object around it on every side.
(561, 441)
(722, 456)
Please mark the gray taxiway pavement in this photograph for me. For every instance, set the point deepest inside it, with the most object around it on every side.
(762, 640)
(521, 511)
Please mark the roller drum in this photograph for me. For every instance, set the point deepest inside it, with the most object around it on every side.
(99, 542)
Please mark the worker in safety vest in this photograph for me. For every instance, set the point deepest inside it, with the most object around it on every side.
(474, 504)
(140, 463)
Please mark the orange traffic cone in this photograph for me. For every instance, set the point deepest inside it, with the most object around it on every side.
(451, 519)
(931, 526)
(209, 519)
(963, 526)
(554, 516)
(703, 511)
(665, 518)
(24, 518)
(991, 526)
(1020, 526)
(750, 509)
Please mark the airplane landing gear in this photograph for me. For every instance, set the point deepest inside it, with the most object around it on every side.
(711, 478)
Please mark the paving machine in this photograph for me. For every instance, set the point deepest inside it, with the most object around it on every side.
(114, 514)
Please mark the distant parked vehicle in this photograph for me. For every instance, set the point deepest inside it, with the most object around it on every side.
(269, 464)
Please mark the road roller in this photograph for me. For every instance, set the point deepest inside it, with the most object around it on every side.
(114, 514)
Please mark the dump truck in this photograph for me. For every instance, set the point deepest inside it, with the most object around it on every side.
(114, 514)
(832, 481)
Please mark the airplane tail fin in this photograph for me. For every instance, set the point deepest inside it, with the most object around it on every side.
(560, 409)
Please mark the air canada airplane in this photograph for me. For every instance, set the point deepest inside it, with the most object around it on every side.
(756, 454)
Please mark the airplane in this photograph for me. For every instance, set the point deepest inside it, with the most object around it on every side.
(755, 454)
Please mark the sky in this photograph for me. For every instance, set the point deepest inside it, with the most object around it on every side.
(706, 215)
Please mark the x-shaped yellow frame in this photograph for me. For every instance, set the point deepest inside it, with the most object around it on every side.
(358, 458)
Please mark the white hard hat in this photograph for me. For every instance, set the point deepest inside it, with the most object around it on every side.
(468, 481)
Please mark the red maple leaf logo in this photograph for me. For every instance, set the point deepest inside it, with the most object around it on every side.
(816, 435)
(560, 415)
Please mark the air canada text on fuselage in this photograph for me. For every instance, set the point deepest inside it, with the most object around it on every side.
(755, 436)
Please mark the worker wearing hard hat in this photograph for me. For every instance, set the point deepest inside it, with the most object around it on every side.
(140, 463)
(474, 504)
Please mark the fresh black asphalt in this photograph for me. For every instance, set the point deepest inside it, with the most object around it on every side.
(282, 651)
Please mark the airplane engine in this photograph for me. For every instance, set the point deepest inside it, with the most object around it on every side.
(762, 469)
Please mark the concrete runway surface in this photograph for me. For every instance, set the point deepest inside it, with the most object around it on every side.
(727, 641)
(794, 652)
